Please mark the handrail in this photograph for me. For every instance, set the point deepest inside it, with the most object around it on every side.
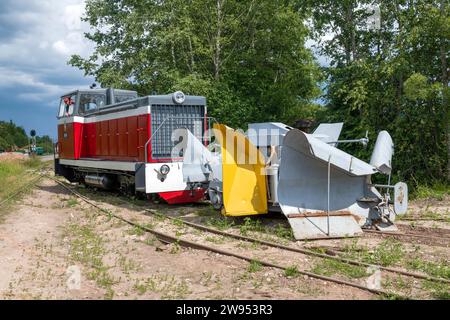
(159, 127)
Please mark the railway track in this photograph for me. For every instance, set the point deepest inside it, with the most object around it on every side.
(425, 219)
(441, 240)
(417, 234)
(442, 237)
(165, 238)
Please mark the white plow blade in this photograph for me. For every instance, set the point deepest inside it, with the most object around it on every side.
(199, 164)
(303, 188)
(328, 132)
(382, 153)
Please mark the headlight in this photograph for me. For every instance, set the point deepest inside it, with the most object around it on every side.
(164, 169)
(178, 97)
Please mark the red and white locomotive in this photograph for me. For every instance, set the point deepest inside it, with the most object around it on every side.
(113, 139)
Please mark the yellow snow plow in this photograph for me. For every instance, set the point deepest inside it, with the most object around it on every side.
(244, 182)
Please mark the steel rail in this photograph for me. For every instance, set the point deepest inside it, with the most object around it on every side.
(424, 219)
(399, 234)
(165, 238)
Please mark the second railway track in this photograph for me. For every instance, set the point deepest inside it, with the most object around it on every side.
(187, 243)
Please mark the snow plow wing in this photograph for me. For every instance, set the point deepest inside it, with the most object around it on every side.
(319, 187)
(244, 184)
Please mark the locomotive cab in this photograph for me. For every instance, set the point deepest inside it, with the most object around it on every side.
(111, 138)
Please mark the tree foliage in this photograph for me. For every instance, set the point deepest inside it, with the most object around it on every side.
(12, 136)
(247, 57)
(250, 60)
(393, 78)
(45, 142)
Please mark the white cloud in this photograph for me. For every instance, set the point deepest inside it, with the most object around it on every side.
(60, 47)
(33, 88)
(72, 16)
(35, 49)
(43, 45)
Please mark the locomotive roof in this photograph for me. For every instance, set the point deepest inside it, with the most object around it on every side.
(101, 90)
(149, 99)
(135, 101)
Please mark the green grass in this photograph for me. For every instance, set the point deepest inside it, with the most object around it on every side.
(438, 290)
(389, 252)
(254, 266)
(393, 253)
(221, 223)
(217, 240)
(437, 190)
(137, 231)
(72, 202)
(330, 267)
(291, 271)
(250, 225)
(440, 269)
(168, 286)
(87, 247)
(282, 232)
(430, 215)
(14, 176)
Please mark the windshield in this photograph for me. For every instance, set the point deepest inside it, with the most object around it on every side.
(90, 102)
(67, 105)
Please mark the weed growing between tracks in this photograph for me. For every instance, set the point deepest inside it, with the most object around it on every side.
(391, 253)
(168, 286)
(387, 253)
(250, 227)
(291, 271)
(394, 253)
(254, 266)
(330, 267)
(439, 290)
(88, 248)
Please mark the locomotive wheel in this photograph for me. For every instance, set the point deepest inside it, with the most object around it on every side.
(216, 199)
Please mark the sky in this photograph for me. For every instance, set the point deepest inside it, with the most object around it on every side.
(37, 39)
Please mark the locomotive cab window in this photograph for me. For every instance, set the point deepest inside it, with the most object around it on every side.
(91, 102)
(118, 98)
(67, 106)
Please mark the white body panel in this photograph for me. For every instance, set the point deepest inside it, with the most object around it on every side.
(108, 116)
(101, 164)
(173, 181)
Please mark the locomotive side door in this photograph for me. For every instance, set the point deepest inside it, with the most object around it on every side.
(66, 140)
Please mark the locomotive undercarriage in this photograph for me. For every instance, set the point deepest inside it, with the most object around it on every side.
(120, 181)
